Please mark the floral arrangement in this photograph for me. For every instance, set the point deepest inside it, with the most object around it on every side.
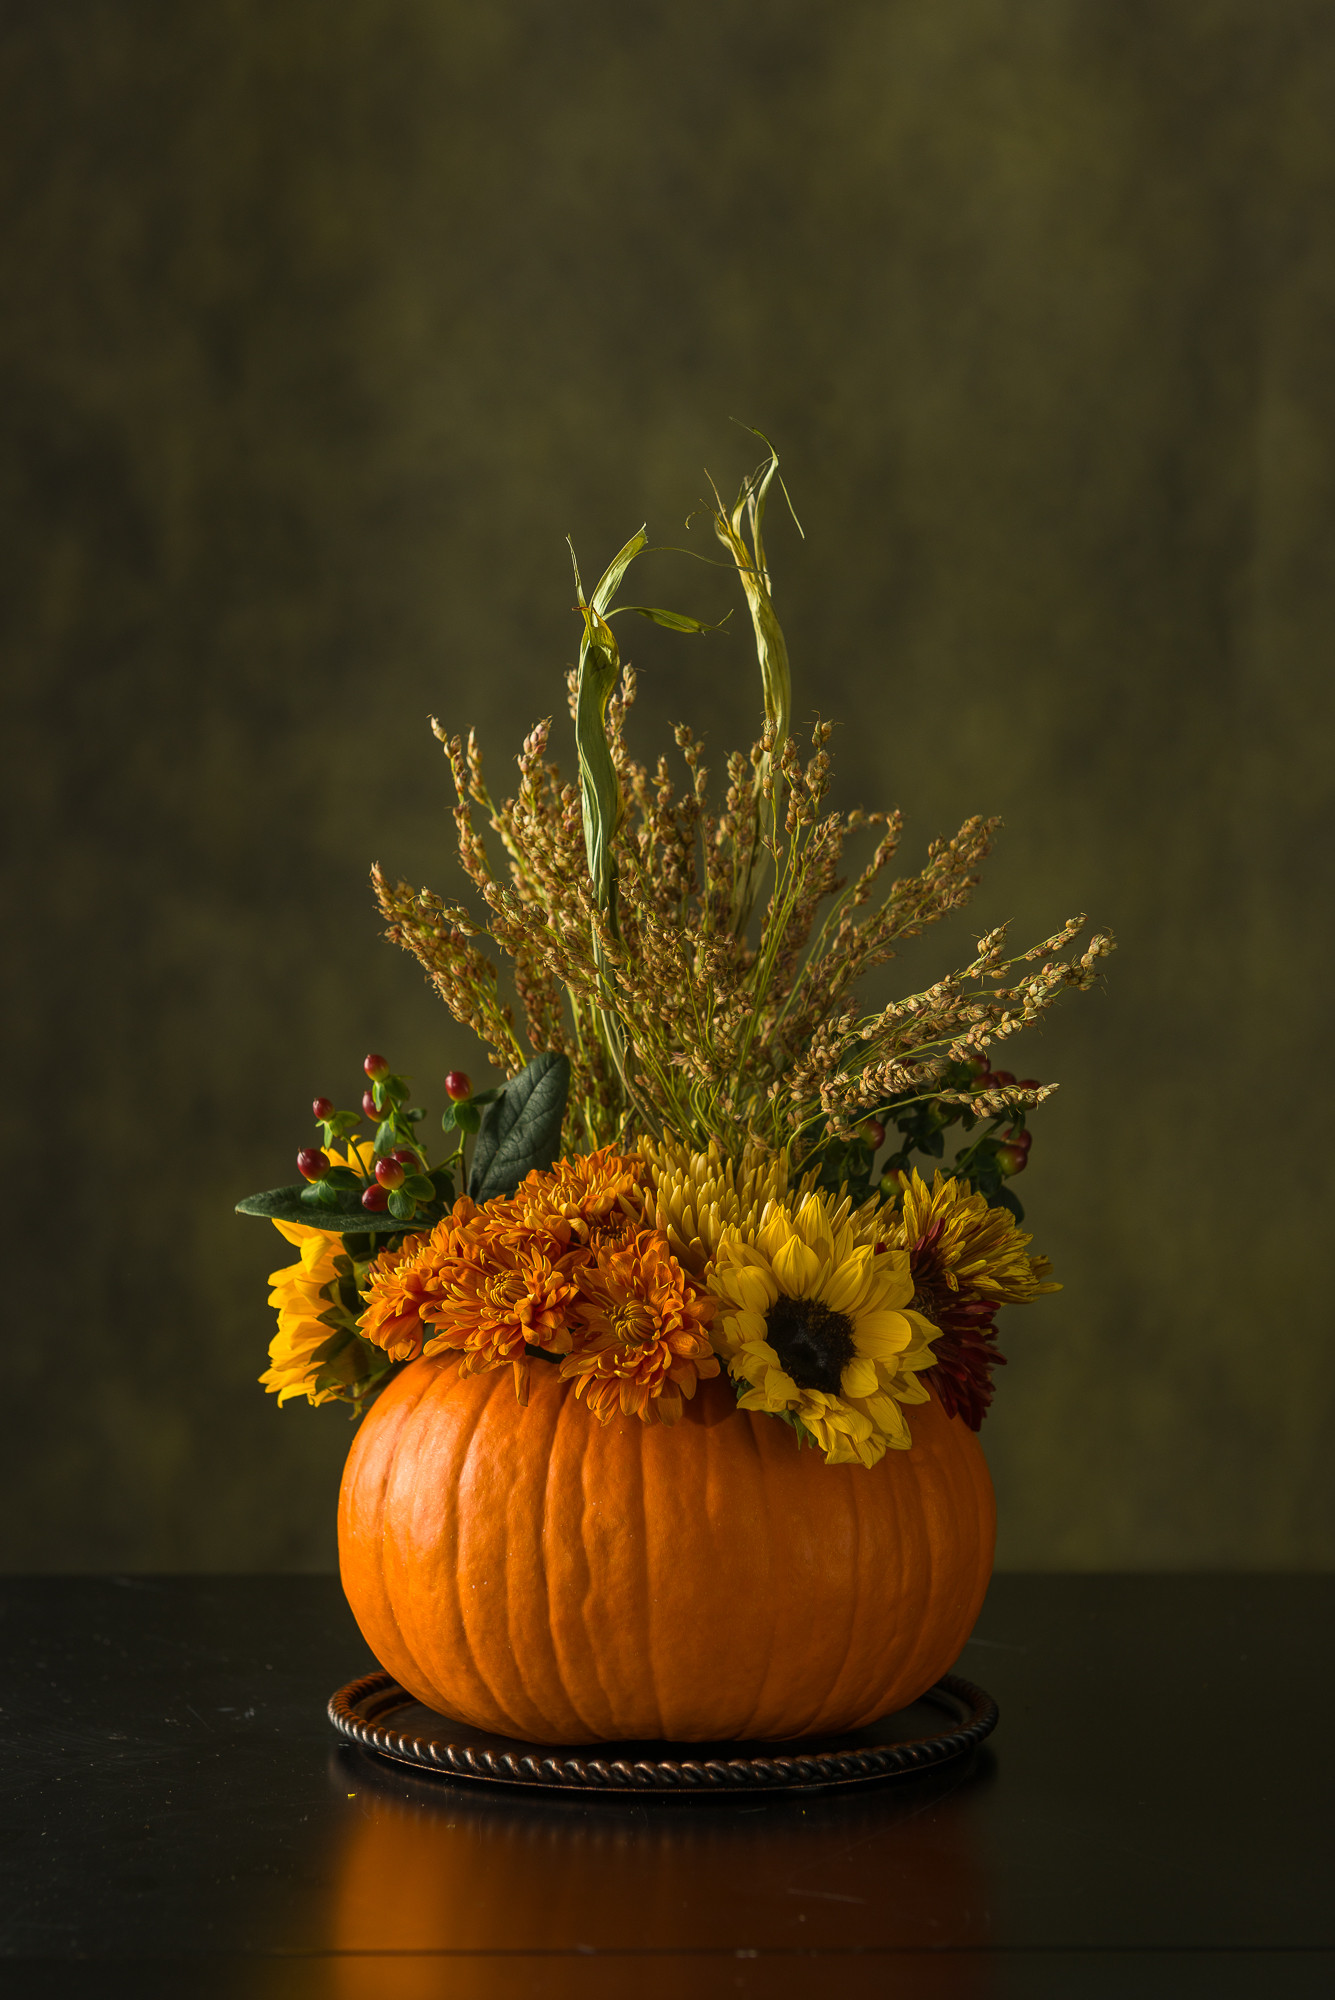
(703, 1157)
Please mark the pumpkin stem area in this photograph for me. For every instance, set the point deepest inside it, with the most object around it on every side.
(812, 1340)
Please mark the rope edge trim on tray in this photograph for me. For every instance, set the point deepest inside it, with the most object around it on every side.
(662, 1774)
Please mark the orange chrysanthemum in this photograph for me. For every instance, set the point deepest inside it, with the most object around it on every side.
(643, 1322)
(499, 1298)
(406, 1280)
(563, 1266)
(586, 1198)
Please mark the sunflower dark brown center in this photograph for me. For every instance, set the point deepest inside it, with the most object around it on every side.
(814, 1343)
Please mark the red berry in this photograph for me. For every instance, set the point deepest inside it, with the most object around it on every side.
(1030, 1083)
(368, 1106)
(874, 1133)
(1000, 1076)
(389, 1173)
(1012, 1159)
(406, 1158)
(376, 1067)
(322, 1108)
(312, 1164)
(458, 1085)
(375, 1199)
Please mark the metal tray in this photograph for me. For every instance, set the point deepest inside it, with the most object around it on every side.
(950, 1719)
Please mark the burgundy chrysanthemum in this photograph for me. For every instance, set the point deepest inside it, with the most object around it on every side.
(966, 1351)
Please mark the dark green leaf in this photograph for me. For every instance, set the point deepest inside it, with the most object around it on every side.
(522, 1129)
(343, 1179)
(287, 1204)
(320, 1195)
(402, 1206)
(418, 1187)
(447, 1119)
(467, 1116)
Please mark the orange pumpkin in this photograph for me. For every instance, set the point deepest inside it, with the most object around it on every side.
(541, 1575)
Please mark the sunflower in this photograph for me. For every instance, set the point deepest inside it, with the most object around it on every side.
(816, 1325)
(693, 1197)
(301, 1293)
(643, 1341)
(967, 1261)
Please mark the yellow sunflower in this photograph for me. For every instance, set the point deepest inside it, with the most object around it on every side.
(816, 1322)
(300, 1295)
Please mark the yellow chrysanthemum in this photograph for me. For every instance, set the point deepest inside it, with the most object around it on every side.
(694, 1197)
(299, 1295)
(815, 1320)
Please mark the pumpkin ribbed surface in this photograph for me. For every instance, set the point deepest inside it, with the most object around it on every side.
(538, 1574)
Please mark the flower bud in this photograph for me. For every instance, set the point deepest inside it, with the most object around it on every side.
(376, 1067)
(323, 1109)
(312, 1163)
(375, 1199)
(457, 1085)
(389, 1173)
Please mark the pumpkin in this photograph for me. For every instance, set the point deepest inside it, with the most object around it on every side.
(544, 1576)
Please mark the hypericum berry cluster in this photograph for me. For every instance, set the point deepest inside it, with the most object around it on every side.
(391, 1172)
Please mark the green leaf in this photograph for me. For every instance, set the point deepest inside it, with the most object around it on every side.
(674, 621)
(320, 1195)
(401, 1205)
(467, 1117)
(418, 1188)
(610, 581)
(522, 1130)
(286, 1204)
(343, 1179)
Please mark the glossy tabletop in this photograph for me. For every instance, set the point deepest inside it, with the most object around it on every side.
(1154, 1816)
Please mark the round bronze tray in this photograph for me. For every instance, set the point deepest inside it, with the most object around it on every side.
(949, 1719)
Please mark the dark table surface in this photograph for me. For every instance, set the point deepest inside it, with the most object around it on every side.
(1154, 1815)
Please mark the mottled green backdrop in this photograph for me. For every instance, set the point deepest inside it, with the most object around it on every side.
(323, 325)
